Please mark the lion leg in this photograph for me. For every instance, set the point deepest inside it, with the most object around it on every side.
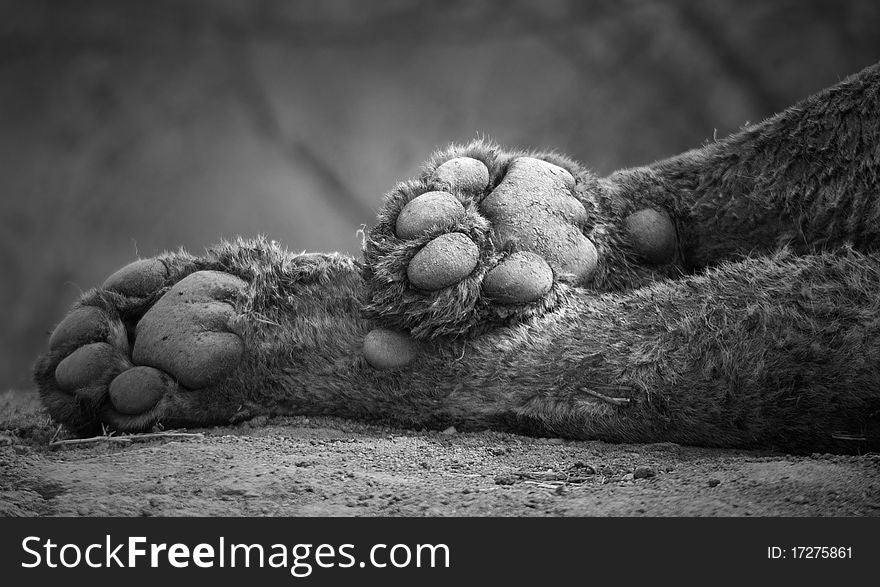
(805, 179)
(776, 352)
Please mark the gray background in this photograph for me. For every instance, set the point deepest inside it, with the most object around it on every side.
(132, 127)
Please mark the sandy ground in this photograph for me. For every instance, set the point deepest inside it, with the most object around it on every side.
(331, 467)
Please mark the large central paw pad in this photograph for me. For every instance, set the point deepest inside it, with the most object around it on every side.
(534, 206)
(187, 332)
(483, 238)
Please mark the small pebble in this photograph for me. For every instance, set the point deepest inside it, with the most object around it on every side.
(583, 468)
(714, 482)
(451, 430)
(643, 473)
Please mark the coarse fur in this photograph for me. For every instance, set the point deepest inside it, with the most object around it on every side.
(762, 331)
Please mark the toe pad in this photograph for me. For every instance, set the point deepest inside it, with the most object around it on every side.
(522, 277)
(444, 261)
(89, 365)
(462, 173)
(83, 325)
(139, 389)
(426, 211)
(138, 279)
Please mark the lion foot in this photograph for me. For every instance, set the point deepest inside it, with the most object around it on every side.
(143, 348)
(486, 238)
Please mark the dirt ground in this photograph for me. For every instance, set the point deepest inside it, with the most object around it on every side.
(330, 467)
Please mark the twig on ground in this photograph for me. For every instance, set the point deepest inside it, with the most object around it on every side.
(845, 436)
(127, 439)
(57, 432)
(544, 485)
(553, 477)
(92, 440)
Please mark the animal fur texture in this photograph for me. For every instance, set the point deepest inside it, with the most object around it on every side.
(760, 329)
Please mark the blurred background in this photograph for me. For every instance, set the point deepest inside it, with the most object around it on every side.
(132, 127)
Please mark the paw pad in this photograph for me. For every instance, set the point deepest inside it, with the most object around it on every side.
(186, 333)
(482, 237)
(522, 277)
(387, 350)
(462, 173)
(427, 211)
(83, 325)
(139, 389)
(140, 278)
(89, 364)
(652, 235)
(444, 261)
(533, 207)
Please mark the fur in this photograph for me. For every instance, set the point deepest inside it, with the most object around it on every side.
(764, 331)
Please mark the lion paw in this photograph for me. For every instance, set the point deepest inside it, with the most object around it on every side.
(486, 238)
(141, 349)
(480, 239)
